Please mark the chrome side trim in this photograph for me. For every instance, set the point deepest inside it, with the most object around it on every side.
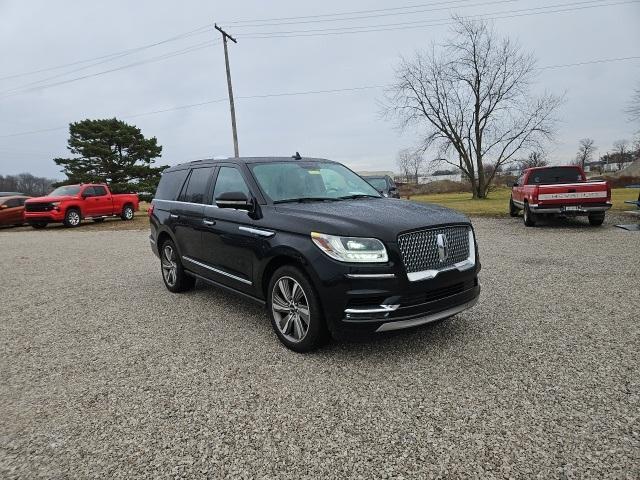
(370, 275)
(257, 231)
(470, 262)
(400, 324)
(221, 272)
(380, 309)
(183, 203)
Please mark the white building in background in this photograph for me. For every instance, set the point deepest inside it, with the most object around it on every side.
(453, 177)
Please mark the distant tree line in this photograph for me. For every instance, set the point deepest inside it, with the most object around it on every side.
(27, 184)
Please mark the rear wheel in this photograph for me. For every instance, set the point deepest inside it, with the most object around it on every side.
(39, 225)
(173, 275)
(127, 213)
(529, 218)
(295, 311)
(72, 218)
(596, 219)
(513, 210)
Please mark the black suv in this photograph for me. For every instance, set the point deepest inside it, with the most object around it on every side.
(384, 184)
(313, 242)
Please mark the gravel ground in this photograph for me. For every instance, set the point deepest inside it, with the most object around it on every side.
(105, 374)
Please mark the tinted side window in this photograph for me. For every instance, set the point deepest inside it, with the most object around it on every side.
(195, 191)
(12, 202)
(170, 184)
(99, 191)
(89, 192)
(230, 180)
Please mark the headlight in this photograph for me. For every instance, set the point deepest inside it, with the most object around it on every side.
(351, 249)
(55, 204)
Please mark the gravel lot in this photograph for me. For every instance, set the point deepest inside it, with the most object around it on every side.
(103, 373)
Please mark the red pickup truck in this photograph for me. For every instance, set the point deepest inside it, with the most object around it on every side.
(70, 204)
(559, 191)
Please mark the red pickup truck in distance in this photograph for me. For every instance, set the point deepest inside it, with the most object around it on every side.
(70, 204)
(559, 191)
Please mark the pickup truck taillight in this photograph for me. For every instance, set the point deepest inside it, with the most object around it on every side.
(150, 210)
(608, 191)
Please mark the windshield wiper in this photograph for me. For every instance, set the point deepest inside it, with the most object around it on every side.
(358, 195)
(304, 199)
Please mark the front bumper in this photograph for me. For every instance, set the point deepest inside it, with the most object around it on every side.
(52, 216)
(370, 299)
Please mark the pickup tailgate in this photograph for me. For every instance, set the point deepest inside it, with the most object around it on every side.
(573, 193)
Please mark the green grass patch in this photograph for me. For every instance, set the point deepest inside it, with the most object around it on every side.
(498, 202)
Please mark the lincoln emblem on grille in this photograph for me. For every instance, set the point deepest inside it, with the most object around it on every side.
(443, 248)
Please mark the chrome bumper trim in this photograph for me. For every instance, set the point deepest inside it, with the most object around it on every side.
(379, 309)
(370, 275)
(600, 208)
(414, 322)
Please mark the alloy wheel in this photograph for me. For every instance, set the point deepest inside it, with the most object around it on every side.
(169, 265)
(73, 218)
(290, 309)
(128, 213)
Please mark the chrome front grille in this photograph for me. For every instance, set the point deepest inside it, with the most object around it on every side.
(420, 250)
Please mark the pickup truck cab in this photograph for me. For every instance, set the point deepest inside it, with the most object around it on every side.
(70, 204)
(562, 190)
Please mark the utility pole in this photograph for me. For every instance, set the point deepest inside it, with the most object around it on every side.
(225, 35)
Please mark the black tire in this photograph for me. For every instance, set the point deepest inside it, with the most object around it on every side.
(513, 210)
(98, 220)
(288, 328)
(127, 212)
(39, 225)
(596, 219)
(528, 217)
(72, 218)
(173, 275)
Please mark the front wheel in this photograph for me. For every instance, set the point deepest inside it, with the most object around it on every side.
(513, 210)
(596, 219)
(295, 311)
(127, 213)
(72, 218)
(173, 275)
(529, 218)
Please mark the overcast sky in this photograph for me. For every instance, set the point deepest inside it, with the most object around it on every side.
(344, 126)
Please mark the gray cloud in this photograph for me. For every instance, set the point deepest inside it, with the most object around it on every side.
(345, 126)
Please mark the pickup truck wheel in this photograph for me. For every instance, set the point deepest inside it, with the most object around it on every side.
(173, 275)
(72, 218)
(529, 218)
(513, 210)
(39, 225)
(127, 213)
(295, 311)
(596, 219)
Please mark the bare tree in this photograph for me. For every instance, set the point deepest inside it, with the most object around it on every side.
(411, 163)
(621, 153)
(633, 110)
(471, 97)
(535, 159)
(586, 148)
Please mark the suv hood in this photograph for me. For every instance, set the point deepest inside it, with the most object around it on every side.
(382, 218)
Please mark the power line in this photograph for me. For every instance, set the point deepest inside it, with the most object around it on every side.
(237, 22)
(432, 23)
(192, 48)
(190, 33)
(307, 92)
(377, 15)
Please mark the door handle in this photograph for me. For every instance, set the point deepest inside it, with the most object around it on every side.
(173, 215)
(209, 222)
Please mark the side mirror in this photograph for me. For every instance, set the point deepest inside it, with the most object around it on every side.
(237, 200)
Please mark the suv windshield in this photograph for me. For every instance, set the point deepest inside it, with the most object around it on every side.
(291, 181)
(379, 183)
(554, 175)
(66, 190)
